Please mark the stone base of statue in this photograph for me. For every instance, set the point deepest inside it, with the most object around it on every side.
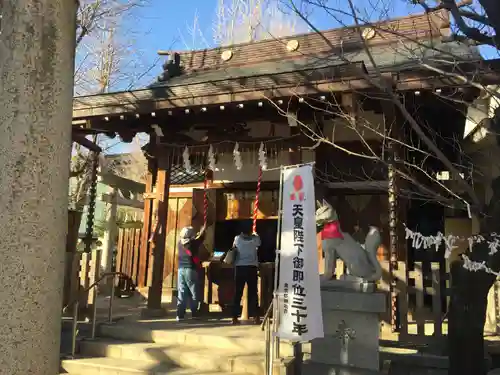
(348, 283)
(351, 310)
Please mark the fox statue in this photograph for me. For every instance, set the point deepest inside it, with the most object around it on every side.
(361, 260)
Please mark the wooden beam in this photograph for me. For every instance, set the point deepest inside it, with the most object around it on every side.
(120, 201)
(144, 101)
(124, 105)
(177, 120)
(121, 183)
(359, 185)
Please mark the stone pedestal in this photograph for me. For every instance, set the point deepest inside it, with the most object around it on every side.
(351, 324)
(37, 44)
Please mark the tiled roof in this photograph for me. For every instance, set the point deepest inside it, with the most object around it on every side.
(411, 28)
(394, 57)
(268, 67)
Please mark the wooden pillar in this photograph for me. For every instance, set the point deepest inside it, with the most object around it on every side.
(154, 307)
(206, 289)
(244, 310)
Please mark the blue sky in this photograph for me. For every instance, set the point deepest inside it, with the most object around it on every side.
(167, 24)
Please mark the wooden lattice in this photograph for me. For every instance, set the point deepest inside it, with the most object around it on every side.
(179, 175)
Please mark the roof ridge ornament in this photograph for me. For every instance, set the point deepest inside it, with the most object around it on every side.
(172, 68)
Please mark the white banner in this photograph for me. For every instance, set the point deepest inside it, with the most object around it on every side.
(301, 317)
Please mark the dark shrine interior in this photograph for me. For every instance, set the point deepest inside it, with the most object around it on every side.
(225, 231)
(442, 120)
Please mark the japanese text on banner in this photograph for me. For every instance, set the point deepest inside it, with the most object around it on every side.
(300, 302)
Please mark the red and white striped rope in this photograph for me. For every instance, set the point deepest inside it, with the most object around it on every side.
(256, 205)
(205, 198)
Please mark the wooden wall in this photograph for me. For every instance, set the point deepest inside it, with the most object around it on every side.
(240, 205)
(187, 209)
(128, 257)
(180, 210)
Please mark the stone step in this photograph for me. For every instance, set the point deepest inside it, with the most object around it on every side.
(225, 337)
(207, 359)
(114, 366)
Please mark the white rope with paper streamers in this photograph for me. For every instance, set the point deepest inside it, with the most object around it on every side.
(426, 242)
(187, 162)
(237, 157)
(262, 157)
(211, 158)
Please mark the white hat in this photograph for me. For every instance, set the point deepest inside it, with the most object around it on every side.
(187, 234)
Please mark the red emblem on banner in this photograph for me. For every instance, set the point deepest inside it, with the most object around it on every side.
(298, 185)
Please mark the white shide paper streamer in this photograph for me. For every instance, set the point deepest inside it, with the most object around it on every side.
(211, 158)
(237, 157)
(262, 157)
(420, 241)
(187, 162)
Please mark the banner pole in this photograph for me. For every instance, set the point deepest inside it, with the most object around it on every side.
(297, 165)
(275, 341)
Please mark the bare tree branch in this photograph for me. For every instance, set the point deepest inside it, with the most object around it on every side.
(491, 19)
(384, 87)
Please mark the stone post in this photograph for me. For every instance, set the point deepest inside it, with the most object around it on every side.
(109, 241)
(37, 44)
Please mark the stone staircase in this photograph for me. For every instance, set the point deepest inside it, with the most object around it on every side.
(184, 349)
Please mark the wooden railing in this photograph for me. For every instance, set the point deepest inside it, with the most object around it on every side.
(421, 302)
(128, 258)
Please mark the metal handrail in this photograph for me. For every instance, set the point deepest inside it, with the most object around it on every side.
(267, 316)
(266, 327)
(93, 285)
(76, 303)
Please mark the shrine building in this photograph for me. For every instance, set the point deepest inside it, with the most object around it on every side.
(323, 97)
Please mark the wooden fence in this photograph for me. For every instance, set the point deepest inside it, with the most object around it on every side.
(82, 270)
(421, 300)
(128, 258)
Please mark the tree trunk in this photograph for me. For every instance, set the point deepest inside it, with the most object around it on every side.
(466, 318)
